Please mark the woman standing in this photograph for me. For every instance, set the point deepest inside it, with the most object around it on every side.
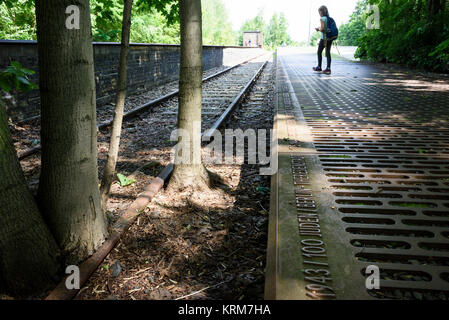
(324, 42)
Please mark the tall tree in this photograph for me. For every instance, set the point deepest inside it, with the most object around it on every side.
(276, 33)
(356, 27)
(28, 252)
(68, 190)
(414, 33)
(18, 20)
(255, 24)
(189, 170)
(106, 19)
(162, 5)
(108, 176)
(154, 27)
(217, 30)
(436, 6)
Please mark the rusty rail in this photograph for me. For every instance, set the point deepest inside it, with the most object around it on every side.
(146, 106)
(88, 267)
(208, 134)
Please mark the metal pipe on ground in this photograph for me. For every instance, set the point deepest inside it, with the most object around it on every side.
(120, 227)
(88, 267)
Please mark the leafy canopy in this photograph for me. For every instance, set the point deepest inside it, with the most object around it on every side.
(412, 32)
(17, 20)
(274, 33)
(350, 32)
(153, 21)
(16, 77)
(217, 30)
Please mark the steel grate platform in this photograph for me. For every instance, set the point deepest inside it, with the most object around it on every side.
(374, 148)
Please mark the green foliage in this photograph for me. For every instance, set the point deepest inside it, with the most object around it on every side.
(255, 24)
(153, 21)
(17, 20)
(410, 33)
(124, 181)
(442, 51)
(314, 38)
(350, 32)
(148, 16)
(12, 3)
(274, 33)
(108, 36)
(263, 190)
(16, 77)
(157, 21)
(217, 30)
(168, 8)
(106, 16)
(154, 28)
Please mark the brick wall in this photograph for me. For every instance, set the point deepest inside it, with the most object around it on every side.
(150, 65)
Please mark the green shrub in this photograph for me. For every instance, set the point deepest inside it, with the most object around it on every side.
(410, 34)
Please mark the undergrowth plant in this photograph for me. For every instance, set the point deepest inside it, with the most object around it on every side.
(412, 32)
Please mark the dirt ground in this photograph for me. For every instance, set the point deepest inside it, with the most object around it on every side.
(209, 245)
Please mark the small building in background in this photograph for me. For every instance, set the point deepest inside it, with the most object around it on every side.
(252, 39)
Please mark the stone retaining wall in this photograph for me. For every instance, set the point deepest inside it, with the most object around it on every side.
(150, 65)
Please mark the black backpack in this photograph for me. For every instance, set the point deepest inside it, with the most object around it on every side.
(332, 30)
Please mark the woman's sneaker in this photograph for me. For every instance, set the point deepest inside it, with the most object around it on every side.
(327, 71)
(317, 69)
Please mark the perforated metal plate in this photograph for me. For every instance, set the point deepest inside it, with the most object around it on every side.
(376, 149)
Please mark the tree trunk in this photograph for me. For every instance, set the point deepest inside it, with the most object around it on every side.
(68, 189)
(436, 6)
(190, 173)
(419, 6)
(114, 144)
(28, 252)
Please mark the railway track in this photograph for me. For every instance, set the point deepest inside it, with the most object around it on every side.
(146, 134)
(231, 84)
(220, 99)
